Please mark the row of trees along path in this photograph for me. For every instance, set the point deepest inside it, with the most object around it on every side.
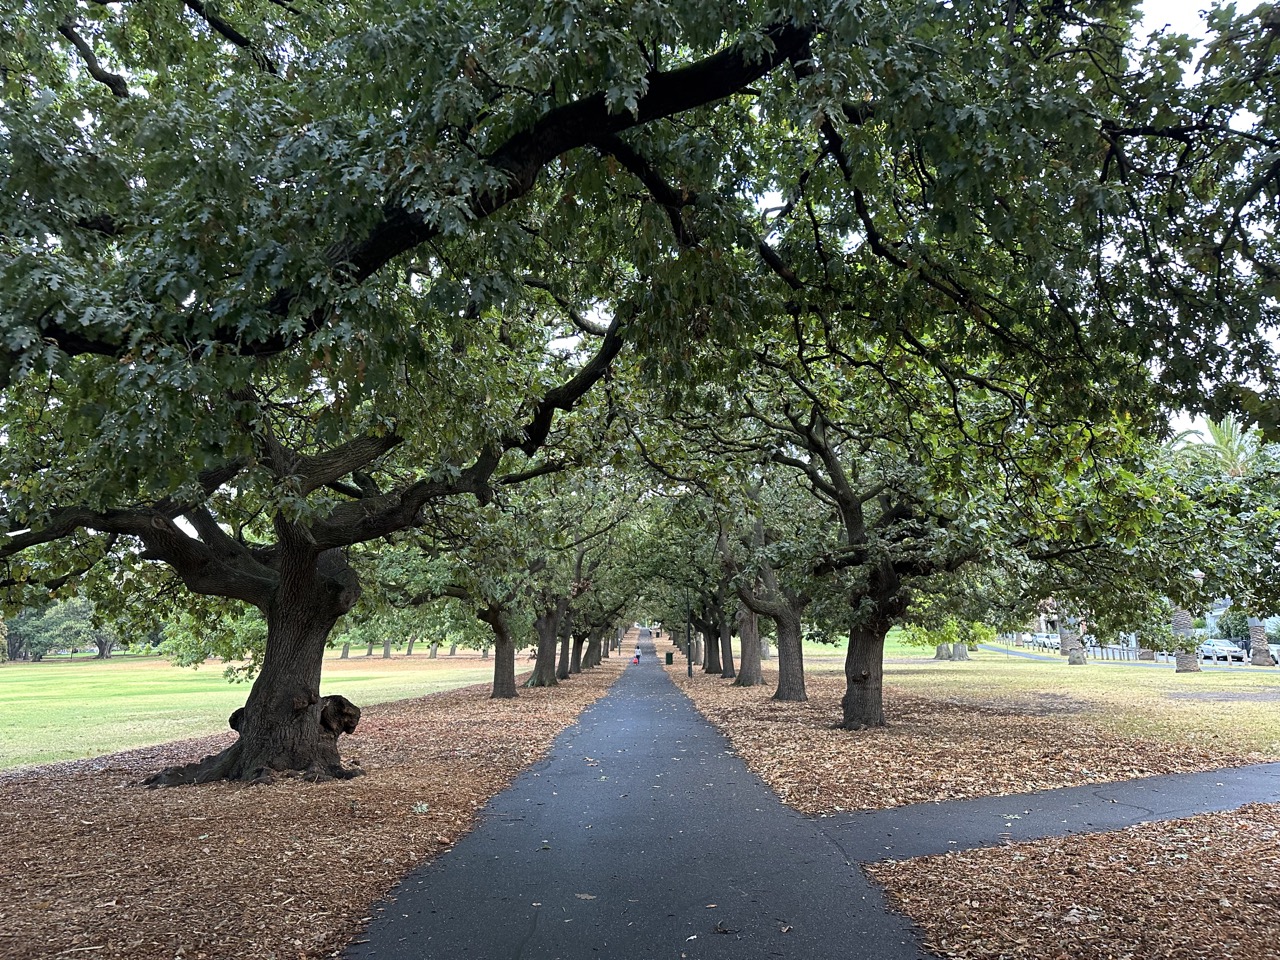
(617, 846)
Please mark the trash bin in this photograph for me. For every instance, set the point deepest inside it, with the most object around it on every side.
(671, 658)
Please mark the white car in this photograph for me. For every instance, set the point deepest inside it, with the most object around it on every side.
(1220, 650)
(1045, 641)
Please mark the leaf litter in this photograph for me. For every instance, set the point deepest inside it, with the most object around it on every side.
(94, 864)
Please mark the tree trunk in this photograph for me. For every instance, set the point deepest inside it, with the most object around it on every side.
(711, 658)
(547, 627)
(749, 657)
(575, 655)
(504, 652)
(942, 652)
(766, 649)
(863, 703)
(726, 649)
(1146, 653)
(1069, 643)
(591, 658)
(386, 649)
(453, 649)
(409, 650)
(790, 660)
(369, 652)
(434, 650)
(960, 651)
(484, 652)
(285, 725)
(346, 652)
(1186, 662)
(1259, 652)
(106, 646)
(1187, 659)
(562, 664)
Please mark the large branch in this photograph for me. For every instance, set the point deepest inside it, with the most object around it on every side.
(520, 159)
(112, 81)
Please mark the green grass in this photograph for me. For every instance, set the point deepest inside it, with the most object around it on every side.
(1232, 709)
(66, 710)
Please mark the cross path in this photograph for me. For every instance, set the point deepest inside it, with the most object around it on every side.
(644, 837)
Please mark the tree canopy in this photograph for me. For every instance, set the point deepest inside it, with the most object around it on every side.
(280, 279)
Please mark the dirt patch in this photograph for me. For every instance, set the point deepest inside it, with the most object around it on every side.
(94, 865)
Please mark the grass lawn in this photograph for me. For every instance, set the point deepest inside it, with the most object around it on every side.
(66, 710)
(1235, 709)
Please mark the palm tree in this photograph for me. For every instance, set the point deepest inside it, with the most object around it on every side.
(1233, 449)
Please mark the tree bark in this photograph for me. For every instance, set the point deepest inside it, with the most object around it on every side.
(285, 725)
(369, 652)
(1259, 652)
(726, 649)
(575, 655)
(591, 658)
(943, 652)
(346, 652)
(562, 665)
(863, 703)
(790, 660)
(749, 657)
(386, 649)
(1185, 660)
(959, 651)
(434, 650)
(547, 626)
(453, 649)
(711, 657)
(409, 650)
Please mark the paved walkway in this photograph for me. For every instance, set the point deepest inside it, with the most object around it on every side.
(644, 837)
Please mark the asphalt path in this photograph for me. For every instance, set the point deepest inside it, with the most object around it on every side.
(641, 837)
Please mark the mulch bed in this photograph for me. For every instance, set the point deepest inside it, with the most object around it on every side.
(93, 865)
(1206, 886)
(933, 749)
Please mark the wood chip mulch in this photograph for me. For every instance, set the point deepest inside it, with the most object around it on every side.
(93, 865)
(1205, 886)
(932, 750)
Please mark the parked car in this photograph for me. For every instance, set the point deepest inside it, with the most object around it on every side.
(1045, 641)
(1220, 650)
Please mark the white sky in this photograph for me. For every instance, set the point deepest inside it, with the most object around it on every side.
(1183, 16)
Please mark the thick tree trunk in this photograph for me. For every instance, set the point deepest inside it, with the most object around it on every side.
(1146, 653)
(547, 627)
(942, 652)
(453, 649)
(591, 658)
(562, 664)
(369, 652)
(285, 725)
(346, 652)
(726, 649)
(711, 658)
(749, 658)
(1186, 660)
(575, 655)
(1070, 644)
(960, 651)
(1259, 652)
(863, 703)
(434, 650)
(504, 668)
(484, 652)
(790, 660)
(104, 649)
(766, 649)
(409, 649)
(386, 649)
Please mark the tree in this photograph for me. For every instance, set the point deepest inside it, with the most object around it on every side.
(271, 284)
